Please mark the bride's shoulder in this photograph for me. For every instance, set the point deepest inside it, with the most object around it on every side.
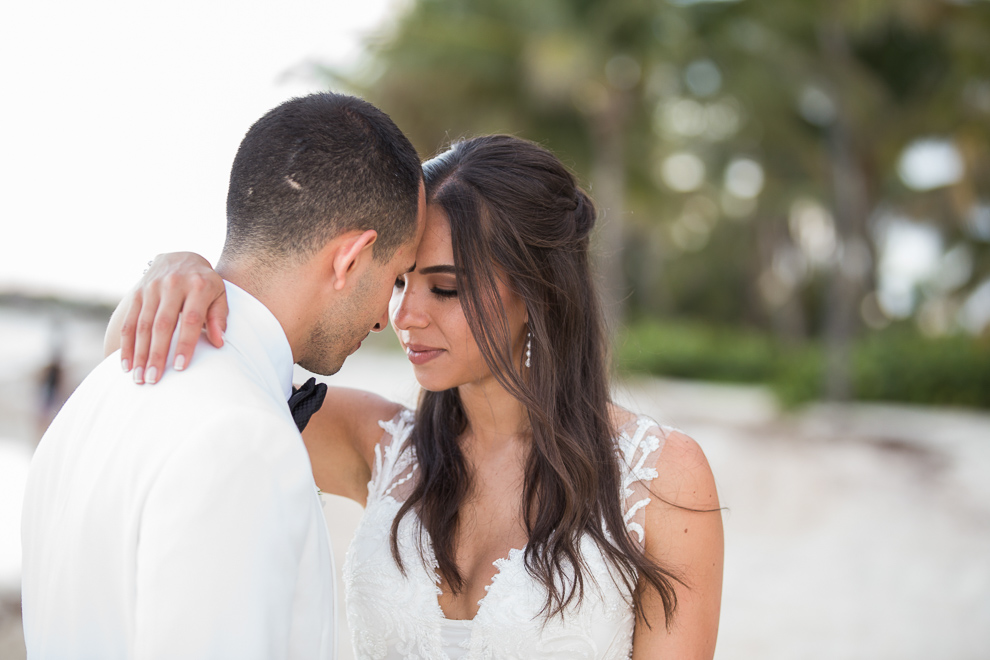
(674, 460)
(359, 415)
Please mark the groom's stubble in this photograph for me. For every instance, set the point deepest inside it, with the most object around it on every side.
(341, 329)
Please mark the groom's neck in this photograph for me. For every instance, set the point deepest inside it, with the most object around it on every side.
(276, 289)
(246, 275)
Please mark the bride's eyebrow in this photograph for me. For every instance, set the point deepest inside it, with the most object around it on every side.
(443, 268)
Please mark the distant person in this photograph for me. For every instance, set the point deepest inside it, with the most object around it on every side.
(518, 512)
(182, 521)
(51, 382)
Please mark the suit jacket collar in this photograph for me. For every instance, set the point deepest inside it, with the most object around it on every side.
(255, 332)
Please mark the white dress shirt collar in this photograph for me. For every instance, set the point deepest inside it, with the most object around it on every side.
(254, 331)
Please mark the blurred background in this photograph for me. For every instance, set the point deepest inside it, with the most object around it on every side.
(793, 241)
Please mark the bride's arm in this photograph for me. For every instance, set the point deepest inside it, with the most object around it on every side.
(690, 543)
(179, 289)
(341, 439)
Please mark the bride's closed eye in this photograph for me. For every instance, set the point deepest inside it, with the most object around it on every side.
(438, 291)
(443, 293)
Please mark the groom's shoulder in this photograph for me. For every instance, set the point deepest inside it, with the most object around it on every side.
(193, 420)
(219, 407)
(222, 371)
(219, 384)
(223, 380)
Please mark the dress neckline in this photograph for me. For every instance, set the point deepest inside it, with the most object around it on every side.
(499, 565)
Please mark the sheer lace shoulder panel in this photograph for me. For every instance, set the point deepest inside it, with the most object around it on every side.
(639, 444)
(395, 459)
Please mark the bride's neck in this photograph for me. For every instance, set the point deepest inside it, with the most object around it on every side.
(495, 418)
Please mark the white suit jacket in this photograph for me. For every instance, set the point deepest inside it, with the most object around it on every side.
(180, 520)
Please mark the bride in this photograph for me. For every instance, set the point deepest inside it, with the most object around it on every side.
(517, 512)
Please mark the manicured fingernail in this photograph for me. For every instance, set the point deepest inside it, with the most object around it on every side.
(151, 375)
(180, 362)
(139, 376)
(125, 365)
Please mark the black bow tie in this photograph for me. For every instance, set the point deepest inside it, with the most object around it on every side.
(305, 401)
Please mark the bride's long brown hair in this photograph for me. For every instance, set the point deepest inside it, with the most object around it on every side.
(516, 213)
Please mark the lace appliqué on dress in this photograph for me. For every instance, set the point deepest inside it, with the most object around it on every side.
(393, 467)
(639, 445)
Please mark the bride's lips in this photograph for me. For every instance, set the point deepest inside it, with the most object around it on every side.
(418, 354)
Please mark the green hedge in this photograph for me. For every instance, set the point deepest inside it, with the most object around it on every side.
(692, 350)
(896, 364)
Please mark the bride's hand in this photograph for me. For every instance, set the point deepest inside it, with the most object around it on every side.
(179, 289)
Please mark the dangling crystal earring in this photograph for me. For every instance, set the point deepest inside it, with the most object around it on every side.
(529, 346)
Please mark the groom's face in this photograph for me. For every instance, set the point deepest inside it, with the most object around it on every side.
(365, 310)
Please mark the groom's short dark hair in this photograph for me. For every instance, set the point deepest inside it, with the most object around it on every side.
(317, 166)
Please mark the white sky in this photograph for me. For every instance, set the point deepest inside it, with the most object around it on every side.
(120, 120)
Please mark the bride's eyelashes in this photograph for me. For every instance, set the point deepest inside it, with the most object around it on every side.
(443, 293)
(439, 292)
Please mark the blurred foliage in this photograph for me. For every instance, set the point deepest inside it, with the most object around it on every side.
(793, 116)
(896, 364)
(698, 351)
(900, 365)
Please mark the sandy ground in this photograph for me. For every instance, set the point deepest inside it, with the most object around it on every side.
(853, 531)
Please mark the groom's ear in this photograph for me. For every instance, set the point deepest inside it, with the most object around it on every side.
(349, 253)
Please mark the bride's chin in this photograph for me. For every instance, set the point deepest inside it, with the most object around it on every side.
(434, 389)
(431, 384)
(432, 381)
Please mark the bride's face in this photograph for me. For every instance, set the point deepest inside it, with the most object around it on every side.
(426, 314)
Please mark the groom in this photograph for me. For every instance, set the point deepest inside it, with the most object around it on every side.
(182, 521)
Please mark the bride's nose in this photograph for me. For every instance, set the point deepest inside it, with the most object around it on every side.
(406, 312)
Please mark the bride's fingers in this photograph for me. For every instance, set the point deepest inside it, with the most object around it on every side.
(195, 311)
(142, 330)
(127, 330)
(162, 330)
(216, 321)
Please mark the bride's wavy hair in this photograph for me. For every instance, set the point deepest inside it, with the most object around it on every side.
(516, 214)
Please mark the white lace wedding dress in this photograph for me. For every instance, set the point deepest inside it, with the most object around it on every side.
(394, 616)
